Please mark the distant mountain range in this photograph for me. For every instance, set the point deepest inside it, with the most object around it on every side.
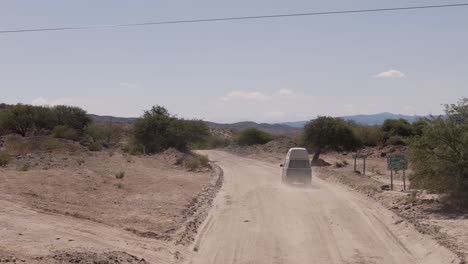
(372, 120)
(275, 129)
(113, 119)
(286, 128)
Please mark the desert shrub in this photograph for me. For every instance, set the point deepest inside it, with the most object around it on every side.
(4, 159)
(419, 126)
(397, 127)
(157, 130)
(252, 136)
(62, 131)
(28, 119)
(24, 167)
(196, 162)
(120, 175)
(51, 144)
(367, 135)
(328, 133)
(395, 140)
(192, 164)
(106, 133)
(211, 142)
(95, 146)
(19, 119)
(203, 159)
(439, 157)
(71, 116)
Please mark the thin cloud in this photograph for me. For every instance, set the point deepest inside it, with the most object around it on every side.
(285, 92)
(256, 96)
(245, 95)
(41, 101)
(390, 74)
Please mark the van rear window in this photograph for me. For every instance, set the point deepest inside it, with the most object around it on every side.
(299, 164)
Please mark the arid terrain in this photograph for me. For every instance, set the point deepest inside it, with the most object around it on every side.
(423, 210)
(71, 205)
(77, 203)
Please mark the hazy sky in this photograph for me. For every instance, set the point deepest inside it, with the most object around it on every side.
(284, 69)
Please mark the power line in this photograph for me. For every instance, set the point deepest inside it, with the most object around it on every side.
(234, 18)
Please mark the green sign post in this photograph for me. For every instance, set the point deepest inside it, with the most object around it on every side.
(395, 163)
(360, 156)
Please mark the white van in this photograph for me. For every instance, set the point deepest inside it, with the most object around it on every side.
(296, 167)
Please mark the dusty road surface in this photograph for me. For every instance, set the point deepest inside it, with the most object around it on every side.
(255, 219)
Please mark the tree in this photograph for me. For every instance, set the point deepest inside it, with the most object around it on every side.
(252, 136)
(419, 126)
(151, 130)
(397, 127)
(439, 156)
(19, 119)
(157, 130)
(183, 132)
(328, 133)
(72, 117)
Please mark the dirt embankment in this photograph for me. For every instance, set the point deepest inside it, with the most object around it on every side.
(153, 197)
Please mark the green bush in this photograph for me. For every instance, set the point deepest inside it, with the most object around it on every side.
(252, 136)
(196, 162)
(211, 142)
(28, 119)
(396, 140)
(328, 133)
(95, 146)
(157, 130)
(4, 159)
(192, 164)
(24, 167)
(19, 119)
(71, 116)
(419, 126)
(439, 157)
(369, 136)
(62, 131)
(106, 133)
(397, 127)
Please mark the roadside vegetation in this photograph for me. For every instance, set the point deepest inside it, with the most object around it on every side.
(439, 154)
(326, 134)
(252, 136)
(158, 130)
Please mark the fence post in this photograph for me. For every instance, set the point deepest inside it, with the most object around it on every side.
(364, 170)
(404, 180)
(391, 180)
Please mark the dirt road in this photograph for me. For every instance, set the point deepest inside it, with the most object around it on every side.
(255, 219)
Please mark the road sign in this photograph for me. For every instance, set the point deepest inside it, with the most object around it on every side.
(397, 162)
(363, 157)
(359, 156)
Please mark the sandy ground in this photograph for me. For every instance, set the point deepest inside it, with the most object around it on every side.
(73, 205)
(71, 208)
(256, 219)
(426, 213)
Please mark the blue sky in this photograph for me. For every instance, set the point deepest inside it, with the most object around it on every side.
(284, 69)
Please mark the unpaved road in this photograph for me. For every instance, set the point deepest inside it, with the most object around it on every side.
(255, 219)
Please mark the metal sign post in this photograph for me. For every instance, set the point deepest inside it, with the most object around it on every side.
(360, 156)
(396, 163)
